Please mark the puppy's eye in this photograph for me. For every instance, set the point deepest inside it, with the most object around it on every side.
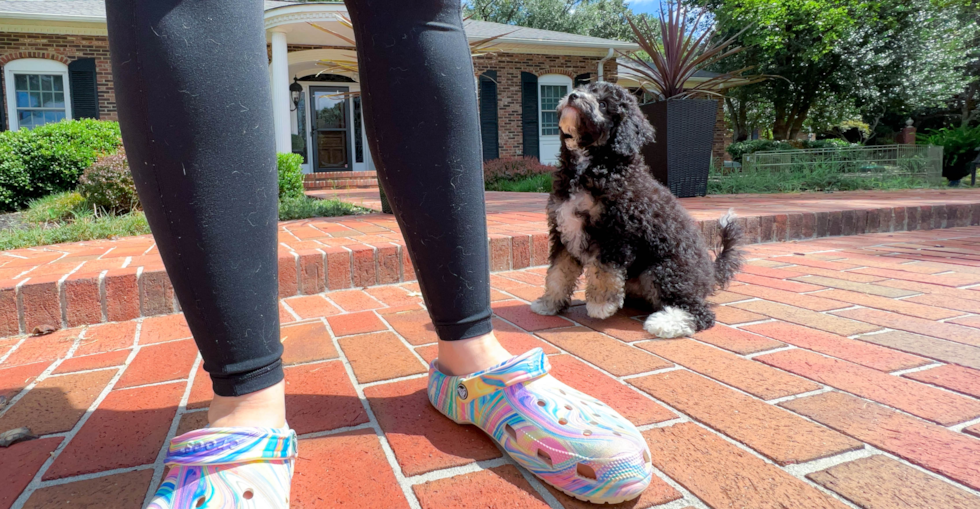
(602, 105)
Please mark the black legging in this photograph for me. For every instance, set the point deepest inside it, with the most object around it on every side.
(191, 81)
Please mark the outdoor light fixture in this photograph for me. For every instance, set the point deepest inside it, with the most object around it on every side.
(294, 90)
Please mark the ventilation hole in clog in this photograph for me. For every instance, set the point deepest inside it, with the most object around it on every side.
(618, 434)
(593, 423)
(562, 392)
(248, 494)
(563, 421)
(585, 471)
(587, 432)
(545, 457)
(200, 502)
(541, 402)
(568, 407)
(511, 431)
(646, 456)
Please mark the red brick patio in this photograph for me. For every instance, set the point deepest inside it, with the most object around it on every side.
(844, 372)
(71, 285)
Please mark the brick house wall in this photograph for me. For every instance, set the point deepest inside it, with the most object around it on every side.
(65, 49)
(721, 130)
(509, 67)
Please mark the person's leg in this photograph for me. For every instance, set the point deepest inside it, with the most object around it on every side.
(196, 116)
(419, 97)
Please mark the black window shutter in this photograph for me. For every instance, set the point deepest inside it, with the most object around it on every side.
(529, 114)
(488, 115)
(3, 123)
(583, 79)
(84, 88)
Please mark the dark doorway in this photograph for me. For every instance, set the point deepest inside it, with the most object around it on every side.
(331, 128)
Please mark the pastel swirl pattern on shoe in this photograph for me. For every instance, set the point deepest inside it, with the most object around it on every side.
(228, 468)
(568, 439)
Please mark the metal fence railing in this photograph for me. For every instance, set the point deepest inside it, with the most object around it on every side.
(914, 162)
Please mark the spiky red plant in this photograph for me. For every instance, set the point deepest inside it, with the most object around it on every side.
(679, 52)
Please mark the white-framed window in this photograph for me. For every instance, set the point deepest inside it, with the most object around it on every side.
(551, 88)
(37, 92)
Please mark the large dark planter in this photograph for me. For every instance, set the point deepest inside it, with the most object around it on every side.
(681, 156)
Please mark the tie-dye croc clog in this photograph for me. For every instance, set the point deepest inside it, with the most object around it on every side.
(570, 440)
(228, 468)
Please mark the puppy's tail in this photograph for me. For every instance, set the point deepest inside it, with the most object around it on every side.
(729, 259)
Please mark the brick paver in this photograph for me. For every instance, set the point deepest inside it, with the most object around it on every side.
(747, 375)
(781, 436)
(887, 358)
(728, 476)
(879, 482)
(119, 490)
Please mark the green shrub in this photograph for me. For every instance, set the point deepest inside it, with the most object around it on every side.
(828, 143)
(56, 208)
(290, 175)
(740, 148)
(304, 207)
(960, 147)
(108, 184)
(50, 158)
(514, 169)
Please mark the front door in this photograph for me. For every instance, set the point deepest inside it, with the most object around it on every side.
(331, 129)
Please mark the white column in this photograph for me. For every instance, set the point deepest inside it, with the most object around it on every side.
(280, 92)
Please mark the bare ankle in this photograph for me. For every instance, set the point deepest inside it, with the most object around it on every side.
(470, 355)
(265, 408)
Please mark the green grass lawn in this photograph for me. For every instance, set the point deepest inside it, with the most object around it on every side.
(66, 217)
(534, 184)
(306, 207)
(815, 180)
(758, 183)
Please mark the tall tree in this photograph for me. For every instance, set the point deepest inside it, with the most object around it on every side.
(596, 18)
(881, 54)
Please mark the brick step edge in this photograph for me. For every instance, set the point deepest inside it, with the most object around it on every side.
(344, 184)
(125, 294)
(339, 174)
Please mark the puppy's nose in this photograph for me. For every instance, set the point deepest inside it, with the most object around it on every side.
(572, 96)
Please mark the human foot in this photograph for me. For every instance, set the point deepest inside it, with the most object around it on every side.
(471, 355)
(243, 459)
(568, 439)
(228, 468)
(265, 408)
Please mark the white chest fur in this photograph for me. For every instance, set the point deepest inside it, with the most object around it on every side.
(571, 221)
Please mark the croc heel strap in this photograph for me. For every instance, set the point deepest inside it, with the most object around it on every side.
(568, 439)
(228, 468)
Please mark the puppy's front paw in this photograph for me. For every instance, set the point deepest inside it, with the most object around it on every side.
(670, 322)
(601, 310)
(546, 307)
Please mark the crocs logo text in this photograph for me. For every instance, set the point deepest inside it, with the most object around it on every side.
(461, 391)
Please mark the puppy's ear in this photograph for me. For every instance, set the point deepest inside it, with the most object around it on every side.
(634, 130)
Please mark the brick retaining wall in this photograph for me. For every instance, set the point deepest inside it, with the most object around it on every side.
(86, 297)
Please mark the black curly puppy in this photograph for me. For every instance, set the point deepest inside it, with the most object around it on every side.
(609, 217)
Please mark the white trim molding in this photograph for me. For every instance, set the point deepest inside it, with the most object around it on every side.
(303, 13)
